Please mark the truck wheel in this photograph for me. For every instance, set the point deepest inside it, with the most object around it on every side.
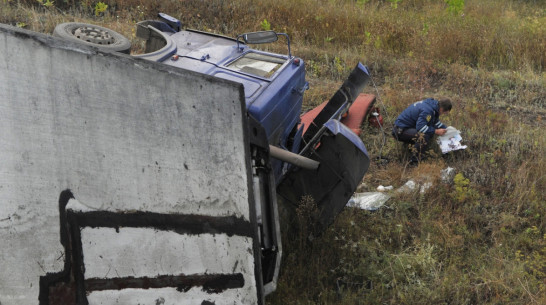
(94, 35)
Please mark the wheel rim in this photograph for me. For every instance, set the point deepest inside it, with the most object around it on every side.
(94, 35)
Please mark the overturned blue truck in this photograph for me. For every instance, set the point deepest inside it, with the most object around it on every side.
(265, 157)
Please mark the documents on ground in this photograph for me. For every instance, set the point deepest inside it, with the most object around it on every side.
(451, 140)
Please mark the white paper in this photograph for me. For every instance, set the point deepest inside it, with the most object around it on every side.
(451, 140)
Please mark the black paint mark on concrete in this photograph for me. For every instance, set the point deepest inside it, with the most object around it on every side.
(183, 287)
(55, 288)
(160, 301)
(180, 223)
(205, 302)
(70, 287)
(211, 283)
(235, 266)
(220, 284)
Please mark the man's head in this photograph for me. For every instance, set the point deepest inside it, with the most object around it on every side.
(444, 106)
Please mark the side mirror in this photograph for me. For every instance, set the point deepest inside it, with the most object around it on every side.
(263, 37)
(260, 37)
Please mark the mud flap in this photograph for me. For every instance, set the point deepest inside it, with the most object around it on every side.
(343, 162)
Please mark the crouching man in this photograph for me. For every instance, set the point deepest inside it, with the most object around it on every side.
(418, 123)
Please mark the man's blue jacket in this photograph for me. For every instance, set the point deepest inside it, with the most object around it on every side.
(422, 115)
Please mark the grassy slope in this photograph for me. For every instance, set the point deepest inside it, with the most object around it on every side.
(479, 240)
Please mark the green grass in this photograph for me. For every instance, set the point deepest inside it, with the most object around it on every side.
(479, 240)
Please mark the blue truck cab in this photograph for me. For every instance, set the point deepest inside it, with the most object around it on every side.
(274, 84)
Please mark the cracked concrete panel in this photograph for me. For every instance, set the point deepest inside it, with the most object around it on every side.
(126, 137)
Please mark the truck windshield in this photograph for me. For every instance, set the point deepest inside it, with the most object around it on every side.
(258, 64)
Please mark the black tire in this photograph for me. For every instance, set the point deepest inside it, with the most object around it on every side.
(93, 35)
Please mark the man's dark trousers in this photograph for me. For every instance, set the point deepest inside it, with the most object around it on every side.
(412, 136)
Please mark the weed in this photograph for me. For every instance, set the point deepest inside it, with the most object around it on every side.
(462, 190)
(455, 6)
(361, 2)
(266, 26)
(100, 8)
(394, 3)
(46, 3)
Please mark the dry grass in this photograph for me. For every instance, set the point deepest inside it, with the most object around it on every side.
(478, 240)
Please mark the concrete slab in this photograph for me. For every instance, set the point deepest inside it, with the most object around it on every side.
(138, 145)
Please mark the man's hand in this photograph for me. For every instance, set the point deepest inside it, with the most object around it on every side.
(440, 131)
